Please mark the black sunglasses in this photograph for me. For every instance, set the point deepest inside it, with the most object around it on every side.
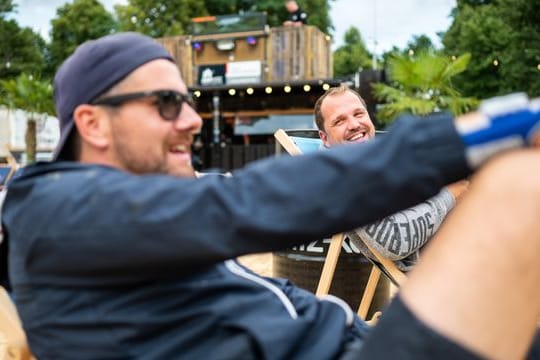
(169, 102)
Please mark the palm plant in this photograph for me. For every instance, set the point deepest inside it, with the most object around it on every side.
(422, 85)
(34, 96)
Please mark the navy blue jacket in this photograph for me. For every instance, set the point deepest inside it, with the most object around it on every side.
(109, 265)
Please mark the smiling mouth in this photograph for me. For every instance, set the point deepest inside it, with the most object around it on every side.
(179, 149)
(361, 136)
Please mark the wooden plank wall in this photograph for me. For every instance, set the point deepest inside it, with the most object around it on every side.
(299, 53)
(180, 49)
(292, 54)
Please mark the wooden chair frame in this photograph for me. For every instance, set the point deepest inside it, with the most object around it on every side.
(288, 140)
(13, 345)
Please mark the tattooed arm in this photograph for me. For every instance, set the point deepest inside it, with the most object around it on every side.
(403, 233)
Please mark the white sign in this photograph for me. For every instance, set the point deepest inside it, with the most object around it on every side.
(242, 72)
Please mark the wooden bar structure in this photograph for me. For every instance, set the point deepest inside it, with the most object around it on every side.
(285, 53)
(241, 71)
(299, 53)
(180, 48)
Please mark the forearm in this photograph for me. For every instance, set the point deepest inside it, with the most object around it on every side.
(403, 233)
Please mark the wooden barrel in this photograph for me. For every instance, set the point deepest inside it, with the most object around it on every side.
(302, 265)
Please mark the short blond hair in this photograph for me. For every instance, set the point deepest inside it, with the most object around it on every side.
(333, 91)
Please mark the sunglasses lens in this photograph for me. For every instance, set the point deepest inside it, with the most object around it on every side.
(170, 105)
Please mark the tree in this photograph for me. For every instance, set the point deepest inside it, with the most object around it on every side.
(475, 29)
(227, 7)
(159, 18)
(20, 48)
(503, 38)
(6, 6)
(319, 14)
(520, 62)
(76, 23)
(173, 17)
(34, 96)
(352, 56)
(419, 43)
(274, 10)
(318, 10)
(422, 84)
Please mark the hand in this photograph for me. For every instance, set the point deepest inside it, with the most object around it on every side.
(536, 140)
(502, 123)
(458, 188)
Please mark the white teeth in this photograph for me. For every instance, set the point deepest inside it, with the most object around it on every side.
(179, 148)
(358, 136)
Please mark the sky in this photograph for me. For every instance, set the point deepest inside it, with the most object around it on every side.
(382, 23)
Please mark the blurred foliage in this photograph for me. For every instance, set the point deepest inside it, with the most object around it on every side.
(503, 37)
(422, 84)
(353, 55)
(6, 6)
(159, 18)
(74, 24)
(172, 17)
(33, 95)
(21, 49)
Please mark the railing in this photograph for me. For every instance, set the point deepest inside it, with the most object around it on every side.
(229, 157)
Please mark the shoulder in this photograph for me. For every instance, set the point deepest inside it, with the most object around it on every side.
(49, 181)
(301, 13)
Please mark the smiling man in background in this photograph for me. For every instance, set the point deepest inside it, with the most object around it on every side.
(342, 118)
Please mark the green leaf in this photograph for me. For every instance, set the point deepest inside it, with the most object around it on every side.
(422, 84)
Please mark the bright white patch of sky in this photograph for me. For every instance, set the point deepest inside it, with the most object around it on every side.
(382, 23)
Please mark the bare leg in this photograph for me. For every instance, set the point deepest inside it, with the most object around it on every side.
(479, 280)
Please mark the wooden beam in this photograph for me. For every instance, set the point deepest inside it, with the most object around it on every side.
(260, 113)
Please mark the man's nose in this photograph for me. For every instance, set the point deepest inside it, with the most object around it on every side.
(188, 119)
(353, 122)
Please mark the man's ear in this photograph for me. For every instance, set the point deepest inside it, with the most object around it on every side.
(92, 125)
(324, 138)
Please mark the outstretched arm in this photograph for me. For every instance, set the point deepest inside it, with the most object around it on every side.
(159, 224)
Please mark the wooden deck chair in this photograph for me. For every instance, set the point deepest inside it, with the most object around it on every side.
(6, 171)
(13, 345)
(9, 171)
(296, 142)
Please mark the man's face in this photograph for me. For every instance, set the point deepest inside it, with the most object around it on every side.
(141, 141)
(291, 6)
(345, 120)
